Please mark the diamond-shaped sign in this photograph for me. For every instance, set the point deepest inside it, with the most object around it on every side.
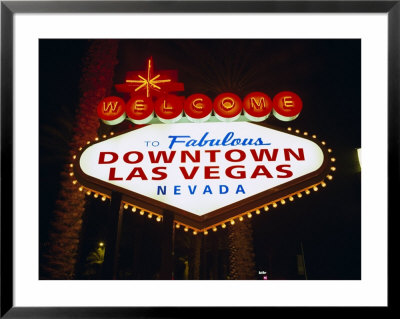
(205, 173)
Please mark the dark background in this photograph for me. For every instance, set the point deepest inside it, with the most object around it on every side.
(326, 74)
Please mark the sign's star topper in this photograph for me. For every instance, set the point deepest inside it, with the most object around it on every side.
(150, 82)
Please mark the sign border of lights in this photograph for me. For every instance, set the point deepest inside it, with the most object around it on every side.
(143, 205)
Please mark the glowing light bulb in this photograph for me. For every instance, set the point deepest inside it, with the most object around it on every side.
(323, 143)
(315, 188)
(103, 198)
(232, 222)
(88, 192)
(71, 174)
(80, 189)
(96, 195)
(299, 195)
(333, 159)
(291, 198)
(178, 226)
(133, 209)
(329, 150)
(297, 131)
(158, 219)
(88, 142)
(126, 206)
(141, 212)
(289, 128)
(104, 136)
(258, 212)
(80, 148)
(274, 205)
(112, 133)
(150, 216)
(205, 232)
(305, 133)
(329, 177)
(186, 229)
(223, 226)
(307, 192)
(215, 229)
(74, 157)
(194, 232)
(283, 202)
(96, 139)
(266, 208)
(333, 168)
(323, 184)
(314, 136)
(241, 218)
(71, 165)
(101, 244)
(249, 215)
(74, 182)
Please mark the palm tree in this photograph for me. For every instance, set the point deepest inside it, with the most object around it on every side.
(241, 252)
(61, 257)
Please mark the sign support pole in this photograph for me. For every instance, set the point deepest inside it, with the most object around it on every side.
(167, 259)
(203, 259)
(304, 262)
(113, 237)
(118, 241)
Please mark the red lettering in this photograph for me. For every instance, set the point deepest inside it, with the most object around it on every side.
(281, 169)
(259, 157)
(261, 170)
(208, 171)
(102, 157)
(129, 161)
(137, 172)
(191, 175)
(157, 170)
(111, 176)
(212, 154)
(238, 174)
(194, 159)
(289, 151)
(163, 154)
(242, 155)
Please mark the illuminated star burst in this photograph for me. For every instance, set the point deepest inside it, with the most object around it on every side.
(150, 82)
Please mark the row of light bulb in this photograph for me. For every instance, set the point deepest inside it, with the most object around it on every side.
(257, 211)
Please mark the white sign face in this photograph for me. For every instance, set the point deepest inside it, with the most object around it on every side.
(201, 167)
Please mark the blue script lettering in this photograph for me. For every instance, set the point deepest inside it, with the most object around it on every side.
(228, 140)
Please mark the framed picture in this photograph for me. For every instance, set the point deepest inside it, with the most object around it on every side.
(161, 155)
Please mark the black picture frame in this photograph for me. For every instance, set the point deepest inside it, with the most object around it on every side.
(9, 8)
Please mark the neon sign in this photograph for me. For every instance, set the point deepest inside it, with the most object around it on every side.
(151, 98)
(209, 173)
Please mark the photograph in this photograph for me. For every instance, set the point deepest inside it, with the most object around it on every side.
(199, 159)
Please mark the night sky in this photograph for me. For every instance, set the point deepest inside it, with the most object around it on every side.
(326, 74)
